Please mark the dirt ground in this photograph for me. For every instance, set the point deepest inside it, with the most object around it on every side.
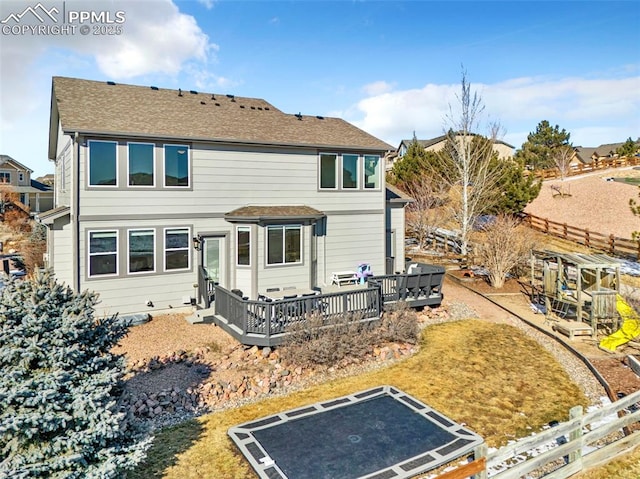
(593, 202)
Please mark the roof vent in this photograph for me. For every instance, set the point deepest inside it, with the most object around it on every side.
(202, 103)
(299, 116)
(155, 88)
(253, 107)
(193, 92)
(266, 108)
(229, 96)
(217, 104)
(260, 108)
(241, 106)
(179, 91)
(111, 83)
(320, 117)
(213, 97)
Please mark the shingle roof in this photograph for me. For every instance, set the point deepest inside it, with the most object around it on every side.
(87, 106)
(273, 213)
(438, 139)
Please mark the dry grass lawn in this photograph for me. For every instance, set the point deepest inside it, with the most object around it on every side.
(521, 389)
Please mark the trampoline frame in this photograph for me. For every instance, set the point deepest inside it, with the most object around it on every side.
(464, 442)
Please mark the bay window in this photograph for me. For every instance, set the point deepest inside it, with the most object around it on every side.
(284, 244)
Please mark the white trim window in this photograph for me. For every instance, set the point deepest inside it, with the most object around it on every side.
(20, 176)
(141, 164)
(102, 165)
(177, 166)
(350, 172)
(243, 246)
(372, 176)
(328, 167)
(141, 250)
(176, 249)
(102, 253)
(5, 177)
(284, 245)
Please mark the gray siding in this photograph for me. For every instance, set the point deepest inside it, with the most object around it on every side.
(64, 159)
(222, 180)
(60, 251)
(226, 179)
(397, 225)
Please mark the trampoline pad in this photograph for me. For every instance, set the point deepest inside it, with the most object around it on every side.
(380, 433)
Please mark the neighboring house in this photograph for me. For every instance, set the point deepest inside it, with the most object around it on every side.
(587, 155)
(504, 150)
(155, 183)
(48, 179)
(36, 196)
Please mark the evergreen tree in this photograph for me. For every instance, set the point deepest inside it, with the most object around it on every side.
(412, 165)
(517, 187)
(628, 148)
(60, 384)
(538, 150)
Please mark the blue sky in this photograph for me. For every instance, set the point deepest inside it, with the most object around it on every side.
(389, 67)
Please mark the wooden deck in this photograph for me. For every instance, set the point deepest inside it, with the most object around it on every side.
(264, 322)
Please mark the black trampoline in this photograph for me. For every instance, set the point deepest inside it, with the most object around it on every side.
(380, 433)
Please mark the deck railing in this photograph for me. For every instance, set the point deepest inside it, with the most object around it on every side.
(264, 322)
(206, 288)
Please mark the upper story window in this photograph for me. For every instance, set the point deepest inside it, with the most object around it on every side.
(350, 171)
(141, 164)
(5, 177)
(372, 177)
(176, 165)
(176, 248)
(103, 253)
(103, 163)
(328, 171)
(284, 244)
(243, 234)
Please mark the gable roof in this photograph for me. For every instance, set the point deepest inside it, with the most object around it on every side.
(106, 108)
(6, 159)
(438, 139)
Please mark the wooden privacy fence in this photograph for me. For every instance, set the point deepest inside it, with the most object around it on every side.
(588, 167)
(611, 244)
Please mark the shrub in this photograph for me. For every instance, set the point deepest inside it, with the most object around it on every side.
(399, 324)
(60, 385)
(327, 342)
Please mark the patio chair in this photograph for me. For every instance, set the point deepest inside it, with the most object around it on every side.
(238, 292)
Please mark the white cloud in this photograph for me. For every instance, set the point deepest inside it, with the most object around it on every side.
(594, 111)
(208, 4)
(156, 38)
(158, 44)
(377, 88)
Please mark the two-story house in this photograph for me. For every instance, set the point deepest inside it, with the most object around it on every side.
(155, 183)
(16, 177)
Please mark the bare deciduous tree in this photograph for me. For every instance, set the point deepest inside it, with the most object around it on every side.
(423, 216)
(562, 156)
(466, 165)
(506, 245)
